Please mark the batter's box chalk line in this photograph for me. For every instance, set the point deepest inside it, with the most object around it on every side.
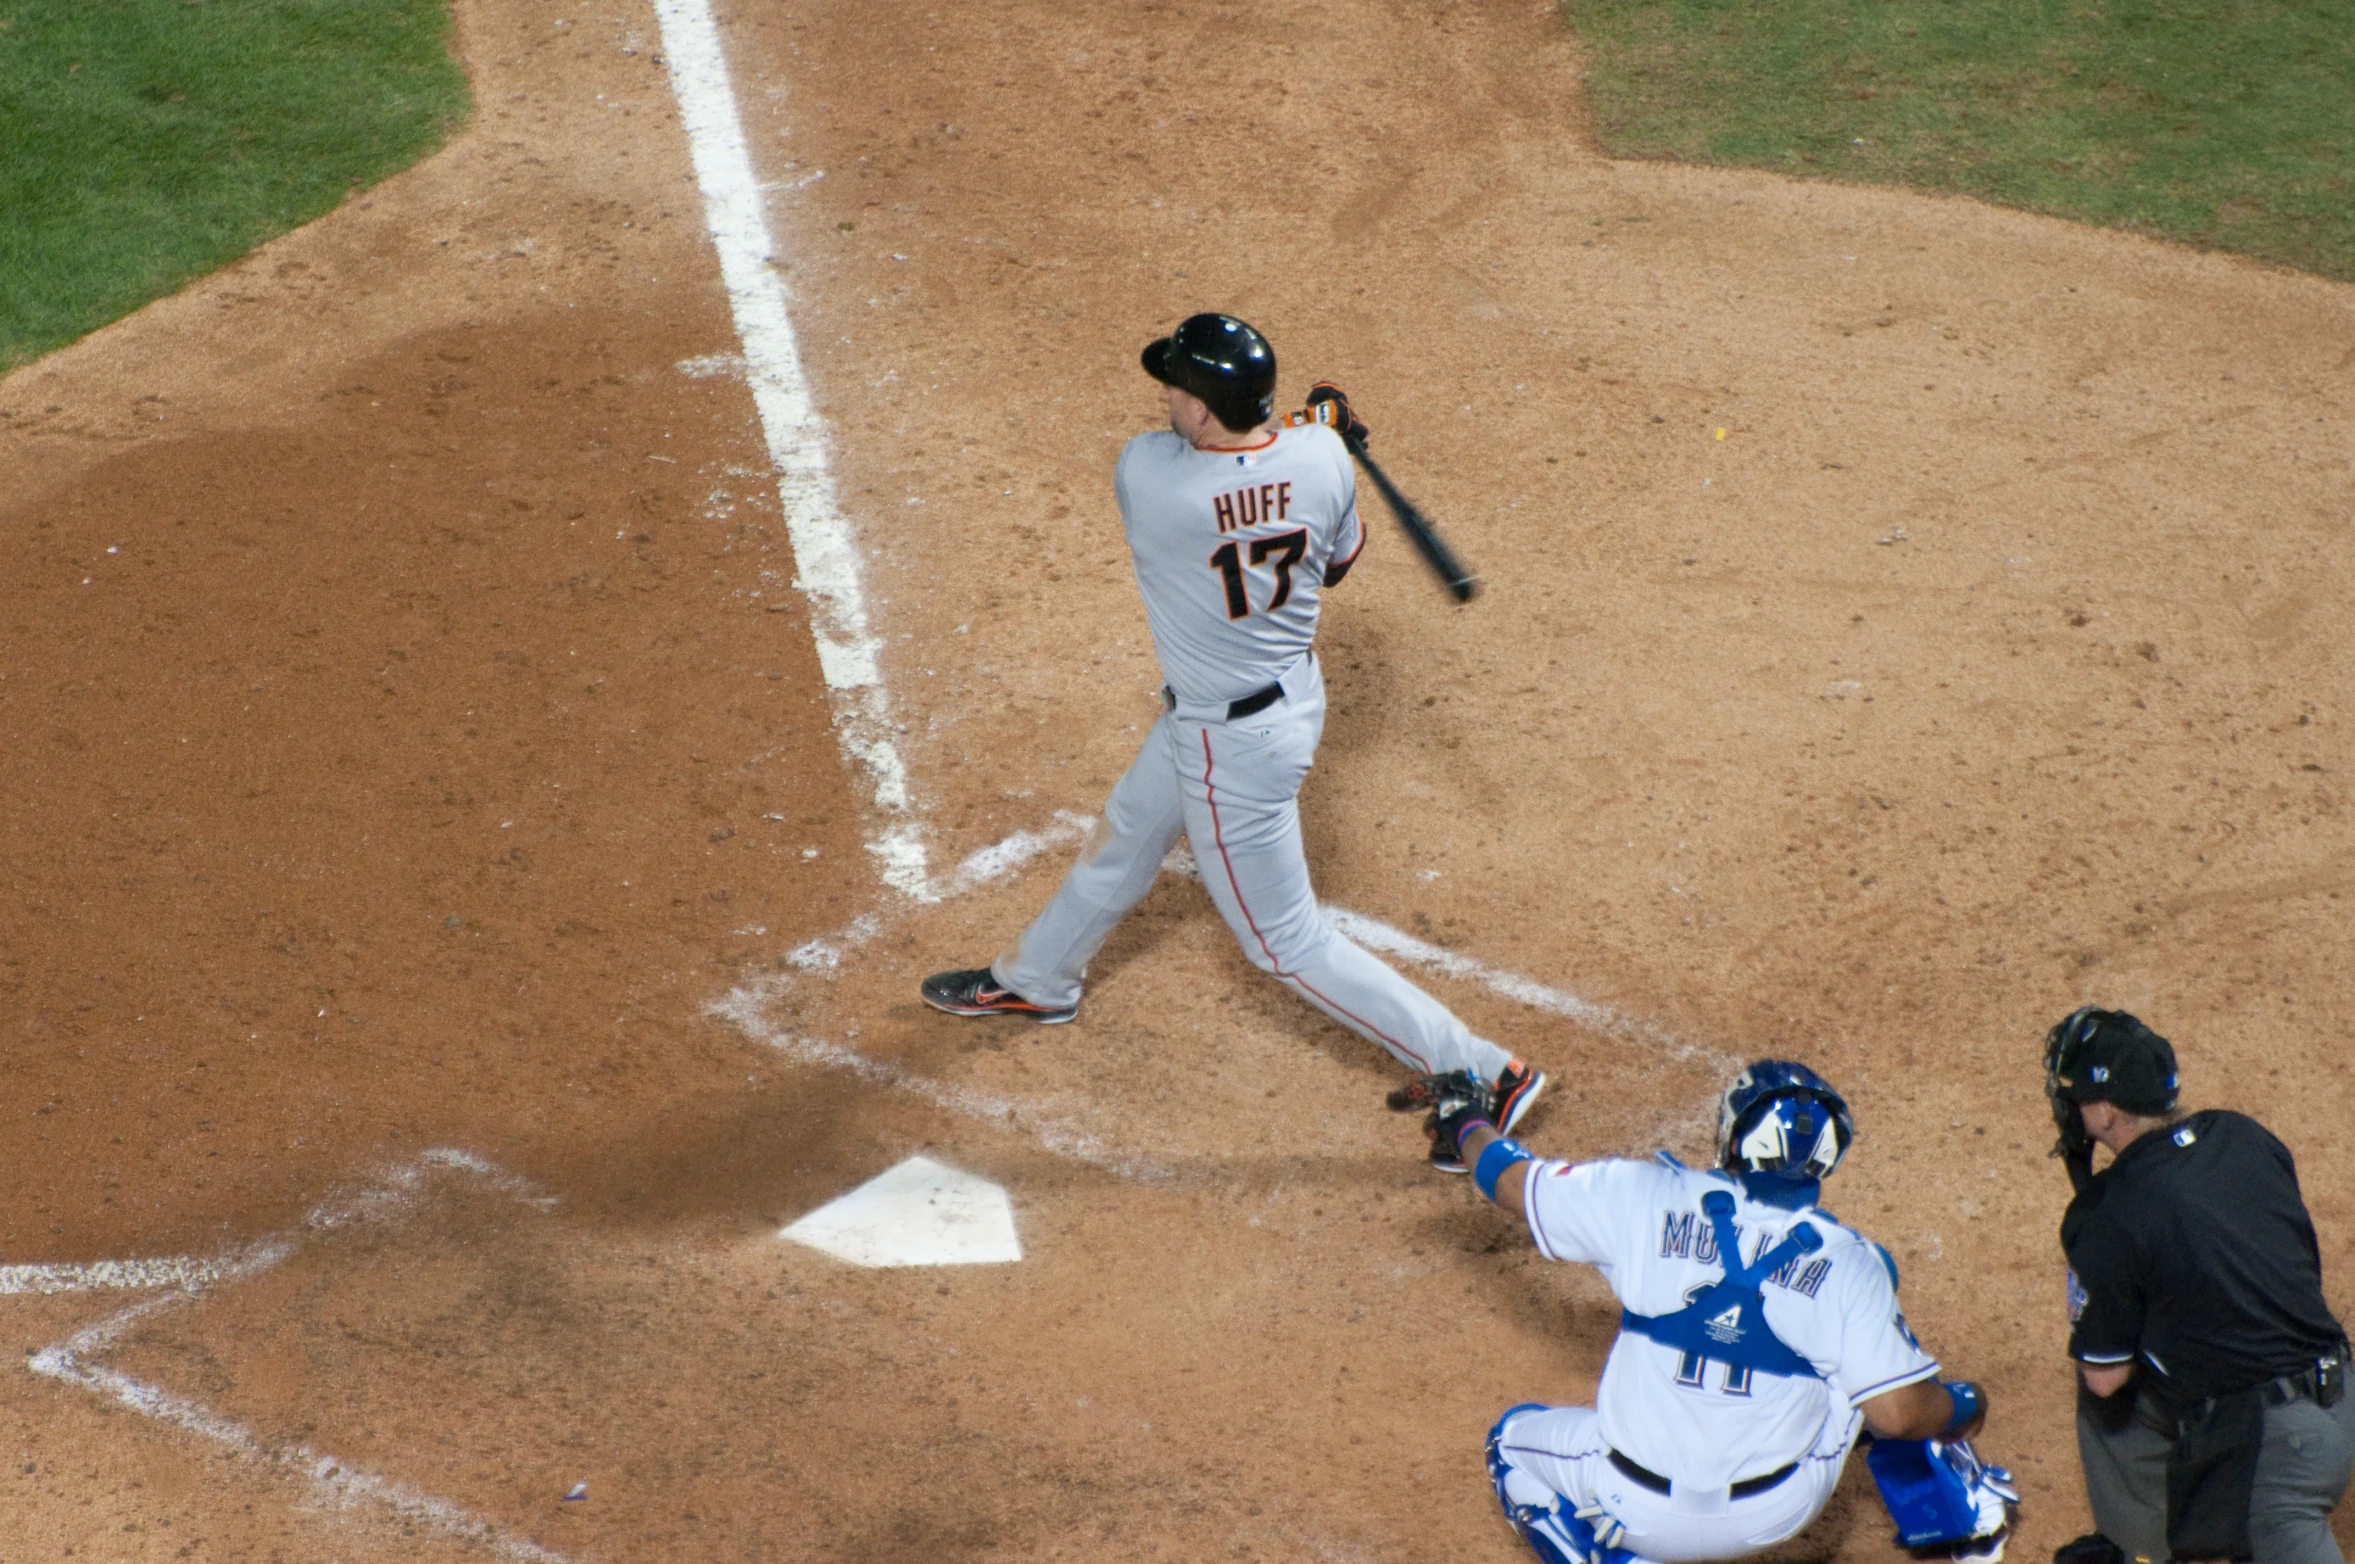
(745, 1008)
(181, 1281)
(1378, 936)
(824, 956)
(1052, 1124)
(110, 1275)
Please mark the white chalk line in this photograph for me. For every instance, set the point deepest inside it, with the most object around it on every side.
(825, 556)
(995, 862)
(108, 1275)
(1379, 936)
(825, 955)
(332, 1481)
(743, 1007)
(1375, 935)
(746, 1006)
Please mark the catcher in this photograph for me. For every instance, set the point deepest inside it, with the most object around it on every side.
(1737, 1385)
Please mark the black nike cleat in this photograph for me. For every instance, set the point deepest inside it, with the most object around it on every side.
(976, 993)
(1517, 1086)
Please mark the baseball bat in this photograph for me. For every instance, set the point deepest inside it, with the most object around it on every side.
(1419, 531)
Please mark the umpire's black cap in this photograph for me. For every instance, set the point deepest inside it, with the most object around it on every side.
(2110, 1056)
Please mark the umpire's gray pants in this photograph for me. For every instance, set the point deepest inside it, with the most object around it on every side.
(2301, 1472)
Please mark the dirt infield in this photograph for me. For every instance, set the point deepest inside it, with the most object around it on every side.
(422, 793)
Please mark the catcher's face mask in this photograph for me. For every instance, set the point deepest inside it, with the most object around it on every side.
(2104, 1056)
(2061, 1047)
(1779, 1116)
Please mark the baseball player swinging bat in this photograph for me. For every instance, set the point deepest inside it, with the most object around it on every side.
(1237, 523)
(1327, 406)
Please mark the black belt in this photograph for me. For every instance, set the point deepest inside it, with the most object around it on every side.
(2322, 1384)
(1249, 706)
(1644, 1476)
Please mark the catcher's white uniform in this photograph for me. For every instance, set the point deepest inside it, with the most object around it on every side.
(1712, 1434)
(1232, 547)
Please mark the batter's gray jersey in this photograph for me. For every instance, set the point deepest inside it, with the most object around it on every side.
(1231, 548)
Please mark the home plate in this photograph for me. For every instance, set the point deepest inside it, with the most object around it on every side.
(919, 1213)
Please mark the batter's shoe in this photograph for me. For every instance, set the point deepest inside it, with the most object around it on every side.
(1517, 1086)
(976, 993)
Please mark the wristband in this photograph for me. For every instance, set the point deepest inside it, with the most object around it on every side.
(1969, 1403)
(1495, 1157)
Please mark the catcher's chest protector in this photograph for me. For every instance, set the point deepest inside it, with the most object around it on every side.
(1727, 1321)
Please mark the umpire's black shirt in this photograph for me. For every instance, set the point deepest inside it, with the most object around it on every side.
(2193, 1250)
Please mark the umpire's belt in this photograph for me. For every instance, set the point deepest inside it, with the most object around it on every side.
(1645, 1477)
(2322, 1384)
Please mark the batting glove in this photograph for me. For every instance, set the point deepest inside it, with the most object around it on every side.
(1329, 405)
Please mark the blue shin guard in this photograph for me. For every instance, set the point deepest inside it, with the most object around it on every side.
(1494, 1452)
(1544, 1519)
(1940, 1494)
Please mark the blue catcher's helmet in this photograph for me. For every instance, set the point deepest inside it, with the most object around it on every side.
(1782, 1117)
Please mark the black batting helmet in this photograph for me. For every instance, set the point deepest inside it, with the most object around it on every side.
(1222, 361)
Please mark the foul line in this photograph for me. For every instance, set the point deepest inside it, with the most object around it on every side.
(825, 559)
(74, 1360)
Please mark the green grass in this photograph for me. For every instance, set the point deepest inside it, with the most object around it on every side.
(145, 142)
(2226, 123)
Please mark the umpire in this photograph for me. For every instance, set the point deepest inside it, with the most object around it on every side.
(2210, 1414)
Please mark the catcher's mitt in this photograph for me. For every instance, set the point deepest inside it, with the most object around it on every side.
(1455, 1101)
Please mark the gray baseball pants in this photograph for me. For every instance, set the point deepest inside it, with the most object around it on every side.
(2301, 1472)
(1233, 789)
